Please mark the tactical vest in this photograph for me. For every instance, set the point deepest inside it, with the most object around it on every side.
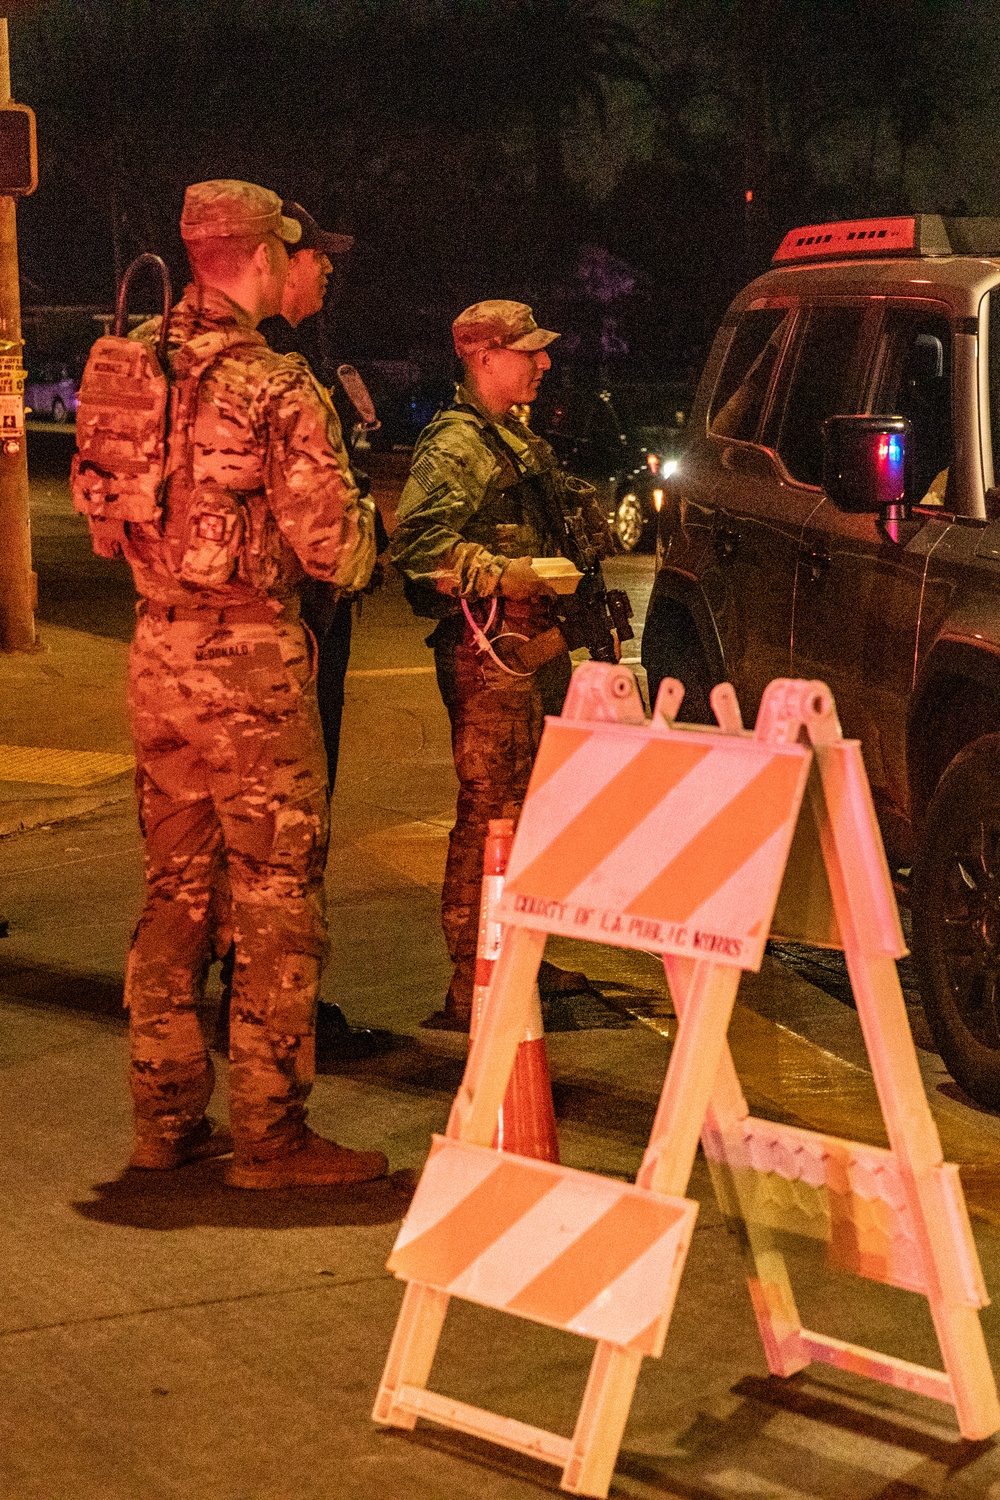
(520, 515)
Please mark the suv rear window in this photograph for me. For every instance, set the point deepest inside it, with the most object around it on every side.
(820, 387)
(746, 374)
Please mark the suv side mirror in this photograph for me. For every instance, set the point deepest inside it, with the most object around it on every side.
(866, 462)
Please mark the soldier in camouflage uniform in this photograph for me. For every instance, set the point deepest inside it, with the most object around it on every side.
(326, 611)
(222, 695)
(485, 495)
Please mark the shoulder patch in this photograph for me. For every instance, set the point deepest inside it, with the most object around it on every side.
(426, 474)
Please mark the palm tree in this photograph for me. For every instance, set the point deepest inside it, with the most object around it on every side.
(569, 55)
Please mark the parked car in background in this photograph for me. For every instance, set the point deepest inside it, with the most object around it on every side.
(51, 391)
(626, 440)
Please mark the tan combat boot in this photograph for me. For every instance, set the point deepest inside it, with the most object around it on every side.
(309, 1162)
(457, 1011)
(157, 1153)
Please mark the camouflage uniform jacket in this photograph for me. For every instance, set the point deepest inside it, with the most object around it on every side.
(475, 498)
(258, 492)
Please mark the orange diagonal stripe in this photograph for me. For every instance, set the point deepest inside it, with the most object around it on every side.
(594, 1260)
(724, 844)
(555, 750)
(441, 1253)
(608, 818)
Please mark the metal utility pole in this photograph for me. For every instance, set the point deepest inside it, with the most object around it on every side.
(18, 584)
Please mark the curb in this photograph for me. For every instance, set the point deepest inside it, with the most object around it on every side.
(23, 813)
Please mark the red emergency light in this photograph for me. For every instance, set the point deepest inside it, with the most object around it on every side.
(917, 234)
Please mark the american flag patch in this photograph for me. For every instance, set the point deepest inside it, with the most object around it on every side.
(425, 472)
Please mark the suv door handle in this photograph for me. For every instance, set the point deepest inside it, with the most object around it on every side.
(725, 540)
(818, 564)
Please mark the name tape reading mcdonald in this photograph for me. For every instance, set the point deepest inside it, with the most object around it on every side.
(675, 843)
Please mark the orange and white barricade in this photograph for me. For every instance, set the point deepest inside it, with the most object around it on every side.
(696, 844)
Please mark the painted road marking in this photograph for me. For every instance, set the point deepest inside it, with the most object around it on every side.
(392, 672)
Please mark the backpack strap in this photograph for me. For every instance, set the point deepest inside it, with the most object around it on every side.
(188, 364)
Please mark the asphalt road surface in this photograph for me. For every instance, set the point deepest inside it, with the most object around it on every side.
(174, 1338)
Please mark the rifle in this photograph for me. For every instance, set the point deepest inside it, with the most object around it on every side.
(588, 617)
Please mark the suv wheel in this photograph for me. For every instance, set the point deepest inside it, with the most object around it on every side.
(629, 523)
(670, 648)
(58, 411)
(956, 918)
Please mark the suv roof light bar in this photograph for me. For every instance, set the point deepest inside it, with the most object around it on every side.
(863, 237)
(916, 235)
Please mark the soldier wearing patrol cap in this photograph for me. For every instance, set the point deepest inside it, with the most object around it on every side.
(230, 766)
(326, 611)
(485, 496)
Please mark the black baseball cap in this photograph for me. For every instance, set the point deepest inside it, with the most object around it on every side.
(314, 238)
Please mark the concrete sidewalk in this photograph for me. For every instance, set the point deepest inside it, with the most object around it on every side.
(65, 747)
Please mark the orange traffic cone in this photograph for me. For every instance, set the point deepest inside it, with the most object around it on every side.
(526, 1124)
(496, 853)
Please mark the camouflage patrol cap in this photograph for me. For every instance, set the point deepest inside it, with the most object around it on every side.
(498, 325)
(221, 208)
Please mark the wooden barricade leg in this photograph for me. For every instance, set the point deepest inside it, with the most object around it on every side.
(666, 1168)
(600, 1423)
(842, 810)
(770, 1286)
(412, 1351)
(473, 1118)
(694, 1063)
(491, 1057)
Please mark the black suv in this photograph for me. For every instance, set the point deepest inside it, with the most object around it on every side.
(625, 440)
(836, 515)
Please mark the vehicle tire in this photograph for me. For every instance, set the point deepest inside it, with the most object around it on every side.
(956, 918)
(58, 411)
(670, 648)
(629, 522)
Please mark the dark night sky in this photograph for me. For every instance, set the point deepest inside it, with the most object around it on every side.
(589, 158)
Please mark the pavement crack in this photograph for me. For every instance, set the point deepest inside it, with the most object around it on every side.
(171, 1307)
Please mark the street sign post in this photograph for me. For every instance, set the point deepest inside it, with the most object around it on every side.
(18, 176)
(18, 150)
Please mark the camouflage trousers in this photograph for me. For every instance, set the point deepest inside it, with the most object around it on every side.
(496, 726)
(231, 783)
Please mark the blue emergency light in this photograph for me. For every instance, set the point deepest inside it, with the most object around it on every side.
(865, 462)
